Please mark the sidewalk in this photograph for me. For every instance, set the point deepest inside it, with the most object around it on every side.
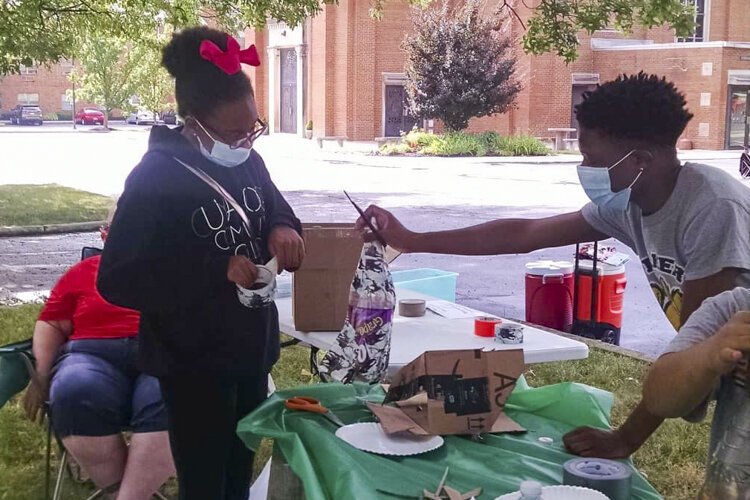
(294, 144)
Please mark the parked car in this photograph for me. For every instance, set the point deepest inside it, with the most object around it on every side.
(141, 117)
(169, 117)
(90, 116)
(25, 113)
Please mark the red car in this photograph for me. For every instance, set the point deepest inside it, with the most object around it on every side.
(90, 116)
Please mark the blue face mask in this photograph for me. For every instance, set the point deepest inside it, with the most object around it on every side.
(221, 153)
(596, 183)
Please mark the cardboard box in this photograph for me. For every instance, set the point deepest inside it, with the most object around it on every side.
(320, 295)
(452, 392)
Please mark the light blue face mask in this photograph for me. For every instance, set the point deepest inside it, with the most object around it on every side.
(221, 153)
(596, 183)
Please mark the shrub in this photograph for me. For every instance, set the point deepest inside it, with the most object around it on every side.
(419, 139)
(50, 117)
(400, 148)
(65, 115)
(458, 144)
(465, 144)
(523, 145)
(492, 141)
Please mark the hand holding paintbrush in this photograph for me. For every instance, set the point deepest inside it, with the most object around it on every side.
(384, 227)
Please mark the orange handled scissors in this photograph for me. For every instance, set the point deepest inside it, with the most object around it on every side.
(312, 405)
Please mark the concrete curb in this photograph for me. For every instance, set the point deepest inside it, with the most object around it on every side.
(75, 227)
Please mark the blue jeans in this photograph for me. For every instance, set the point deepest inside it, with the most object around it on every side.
(96, 390)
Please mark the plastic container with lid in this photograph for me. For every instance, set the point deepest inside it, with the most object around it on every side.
(549, 294)
(600, 301)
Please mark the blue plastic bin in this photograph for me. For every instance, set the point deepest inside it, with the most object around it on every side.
(434, 282)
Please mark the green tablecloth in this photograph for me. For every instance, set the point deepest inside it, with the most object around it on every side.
(332, 469)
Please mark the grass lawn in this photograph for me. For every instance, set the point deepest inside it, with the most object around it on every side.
(29, 205)
(673, 459)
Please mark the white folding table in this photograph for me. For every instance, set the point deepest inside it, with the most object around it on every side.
(413, 336)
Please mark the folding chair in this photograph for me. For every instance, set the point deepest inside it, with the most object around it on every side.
(16, 365)
(16, 371)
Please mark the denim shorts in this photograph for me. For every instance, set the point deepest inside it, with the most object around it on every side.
(97, 390)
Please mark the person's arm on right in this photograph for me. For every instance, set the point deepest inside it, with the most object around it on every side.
(679, 382)
(502, 236)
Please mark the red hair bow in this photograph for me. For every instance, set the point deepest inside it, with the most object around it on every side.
(229, 61)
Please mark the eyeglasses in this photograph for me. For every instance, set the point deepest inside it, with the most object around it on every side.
(248, 140)
(260, 129)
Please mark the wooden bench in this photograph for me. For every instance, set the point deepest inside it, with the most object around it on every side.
(562, 134)
(547, 141)
(339, 140)
(571, 144)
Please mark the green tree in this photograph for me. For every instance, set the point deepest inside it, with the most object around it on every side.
(107, 72)
(154, 84)
(555, 24)
(458, 65)
(45, 31)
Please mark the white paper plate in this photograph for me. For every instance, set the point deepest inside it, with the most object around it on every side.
(370, 436)
(561, 493)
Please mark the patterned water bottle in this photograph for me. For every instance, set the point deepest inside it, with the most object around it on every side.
(728, 470)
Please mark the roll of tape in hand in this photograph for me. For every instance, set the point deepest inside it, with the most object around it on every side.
(611, 478)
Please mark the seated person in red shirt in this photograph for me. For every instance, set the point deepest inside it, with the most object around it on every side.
(85, 351)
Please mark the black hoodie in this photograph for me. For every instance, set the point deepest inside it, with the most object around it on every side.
(167, 254)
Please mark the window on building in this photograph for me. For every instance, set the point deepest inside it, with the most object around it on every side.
(28, 70)
(66, 102)
(700, 21)
(66, 67)
(28, 99)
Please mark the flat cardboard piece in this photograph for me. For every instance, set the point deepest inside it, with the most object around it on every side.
(320, 296)
(452, 392)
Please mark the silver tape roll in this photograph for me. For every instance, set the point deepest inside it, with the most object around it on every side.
(412, 308)
(611, 478)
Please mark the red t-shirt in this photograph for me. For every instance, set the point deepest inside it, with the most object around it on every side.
(76, 298)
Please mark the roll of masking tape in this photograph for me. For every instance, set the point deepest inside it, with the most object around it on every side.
(484, 326)
(607, 476)
(412, 308)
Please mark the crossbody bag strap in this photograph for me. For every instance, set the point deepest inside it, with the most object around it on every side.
(219, 189)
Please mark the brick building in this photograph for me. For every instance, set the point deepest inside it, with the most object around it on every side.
(44, 86)
(345, 73)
